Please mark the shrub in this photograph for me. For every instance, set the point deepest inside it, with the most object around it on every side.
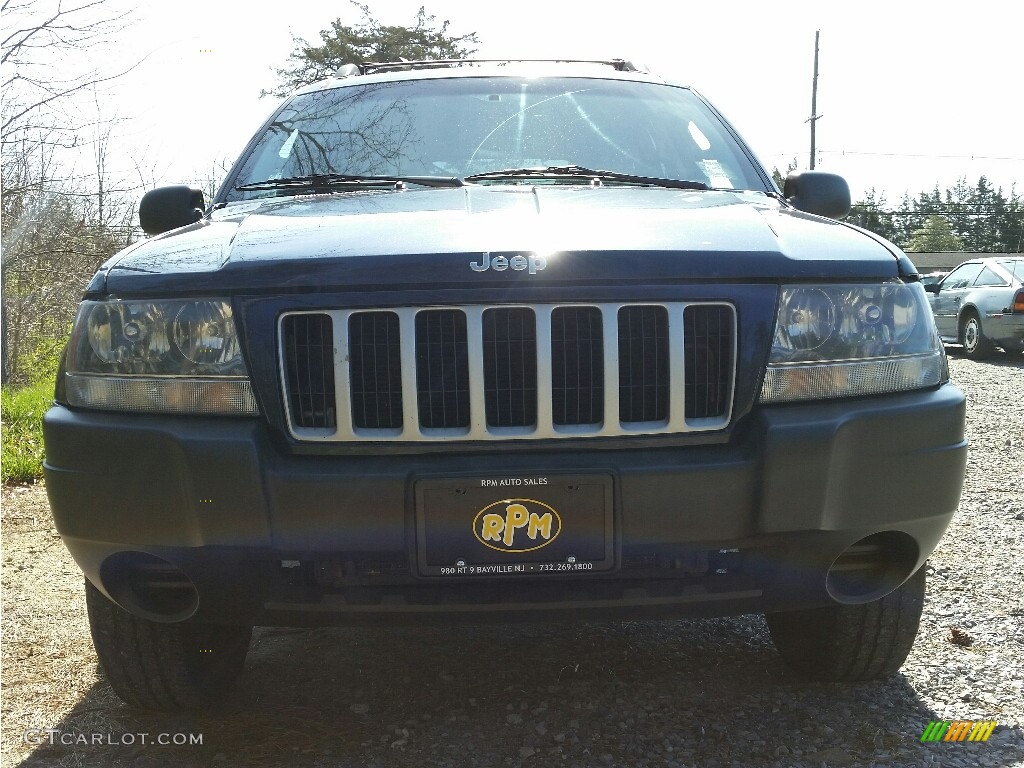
(39, 364)
(21, 433)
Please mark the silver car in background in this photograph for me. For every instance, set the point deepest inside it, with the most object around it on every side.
(980, 304)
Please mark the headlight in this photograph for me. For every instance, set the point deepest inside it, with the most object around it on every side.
(848, 340)
(158, 356)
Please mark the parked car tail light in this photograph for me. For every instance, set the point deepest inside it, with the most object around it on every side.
(1018, 301)
(157, 356)
(848, 340)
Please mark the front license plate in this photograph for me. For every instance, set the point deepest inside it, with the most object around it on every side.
(515, 526)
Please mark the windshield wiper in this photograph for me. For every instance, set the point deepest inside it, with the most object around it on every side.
(348, 181)
(579, 172)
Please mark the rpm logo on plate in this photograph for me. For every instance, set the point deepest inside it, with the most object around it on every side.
(517, 525)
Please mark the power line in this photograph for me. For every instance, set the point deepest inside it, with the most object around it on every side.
(956, 208)
(921, 156)
(924, 156)
(926, 214)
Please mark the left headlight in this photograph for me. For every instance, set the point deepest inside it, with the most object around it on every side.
(158, 356)
(848, 340)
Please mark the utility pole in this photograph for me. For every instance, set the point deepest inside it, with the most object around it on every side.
(815, 117)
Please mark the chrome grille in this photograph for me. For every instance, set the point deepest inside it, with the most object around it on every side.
(518, 371)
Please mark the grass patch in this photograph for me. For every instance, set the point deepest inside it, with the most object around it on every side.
(21, 433)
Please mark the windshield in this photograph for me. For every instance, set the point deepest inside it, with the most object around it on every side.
(464, 126)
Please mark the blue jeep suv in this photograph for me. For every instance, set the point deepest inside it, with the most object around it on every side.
(469, 340)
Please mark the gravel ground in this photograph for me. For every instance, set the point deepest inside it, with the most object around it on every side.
(684, 693)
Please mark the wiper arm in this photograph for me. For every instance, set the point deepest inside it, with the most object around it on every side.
(579, 172)
(348, 180)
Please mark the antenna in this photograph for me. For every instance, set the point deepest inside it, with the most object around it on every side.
(815, 117)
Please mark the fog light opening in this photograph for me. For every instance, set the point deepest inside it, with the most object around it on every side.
(872, 567)
(149, 586)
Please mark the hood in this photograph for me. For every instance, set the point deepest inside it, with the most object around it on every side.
(491, 235)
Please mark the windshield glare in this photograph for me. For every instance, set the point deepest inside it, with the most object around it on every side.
(464, 126)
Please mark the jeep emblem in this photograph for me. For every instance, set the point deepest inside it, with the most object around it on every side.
(532, 263)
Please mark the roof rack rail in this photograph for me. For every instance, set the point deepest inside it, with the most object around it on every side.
(368, 67)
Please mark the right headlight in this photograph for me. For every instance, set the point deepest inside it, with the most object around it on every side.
(848, 340)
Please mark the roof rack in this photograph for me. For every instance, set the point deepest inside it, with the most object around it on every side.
(367, 67)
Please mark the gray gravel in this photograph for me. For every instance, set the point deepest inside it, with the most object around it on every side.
(684, 693)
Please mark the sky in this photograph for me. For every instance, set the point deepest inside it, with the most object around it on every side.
(910, 94)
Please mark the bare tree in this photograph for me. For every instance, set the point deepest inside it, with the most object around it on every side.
(35, 36)
(210, 181)
(55, 230)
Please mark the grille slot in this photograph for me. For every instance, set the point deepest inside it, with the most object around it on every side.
(308, 349)
(376, 370)
(491, 373)
(577, 366)
(442, 369)
(510, 366)
(708, 337)
(643, 364)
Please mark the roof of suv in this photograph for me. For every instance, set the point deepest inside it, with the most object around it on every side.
(611, 69)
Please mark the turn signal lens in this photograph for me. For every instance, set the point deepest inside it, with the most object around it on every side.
(1018, 301)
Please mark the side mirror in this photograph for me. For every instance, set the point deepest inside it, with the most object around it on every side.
(932, 288)
(167, 208)
(824, 194)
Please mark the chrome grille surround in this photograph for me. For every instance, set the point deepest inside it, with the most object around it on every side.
(411, 430)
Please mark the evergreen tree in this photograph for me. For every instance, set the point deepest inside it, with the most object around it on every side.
(871, 214)
(369, 41)
(902, 222)
(959, 210)
(926, 204)
(1008, 222)
(981, 237)
(974, 218)
(779, 177)
(936, 236)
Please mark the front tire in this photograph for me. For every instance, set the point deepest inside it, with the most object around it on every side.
(976, 344)
(851, 643)
(168, 667)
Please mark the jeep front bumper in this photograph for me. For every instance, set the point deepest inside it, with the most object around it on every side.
(248, 533)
